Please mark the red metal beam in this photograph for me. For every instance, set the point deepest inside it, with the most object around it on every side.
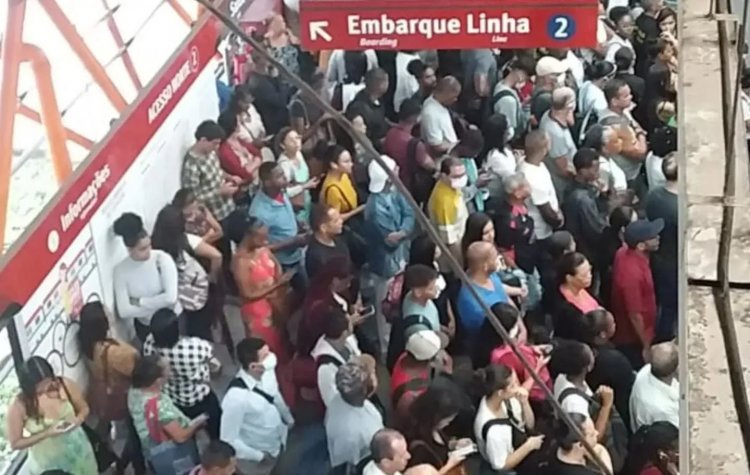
(73, 136)
(11, 55)
(88, 59)
(126, 60)
(181, 12)
(50, 113)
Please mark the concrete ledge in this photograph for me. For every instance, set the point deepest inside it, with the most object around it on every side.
(711, 441)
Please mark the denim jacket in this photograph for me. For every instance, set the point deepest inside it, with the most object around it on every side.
(386, 213)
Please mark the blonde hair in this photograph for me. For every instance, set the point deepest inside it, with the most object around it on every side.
(665, 110)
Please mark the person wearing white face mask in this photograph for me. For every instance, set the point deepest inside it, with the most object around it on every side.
(446, 207)
(255, 419)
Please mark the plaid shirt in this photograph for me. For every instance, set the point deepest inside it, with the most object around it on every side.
(189, 378)
(204, 177)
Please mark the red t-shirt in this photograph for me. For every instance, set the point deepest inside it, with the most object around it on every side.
(632, 292)
(504, 355)
(399, 377)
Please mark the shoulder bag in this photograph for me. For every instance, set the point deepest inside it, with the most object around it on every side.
(109, 398)
(167, 457)
(192, 283)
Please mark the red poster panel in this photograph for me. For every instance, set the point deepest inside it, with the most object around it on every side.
(441, 24)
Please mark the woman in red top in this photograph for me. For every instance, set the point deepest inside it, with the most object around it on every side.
(654, 450)
(238, 156)
(571, 300)
(263, 288)
(501, 353)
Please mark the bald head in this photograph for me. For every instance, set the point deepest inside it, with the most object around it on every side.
(423, 469)
(664, 360)
(479, 254)
(447, 91)
(536, 146)
(448, 83)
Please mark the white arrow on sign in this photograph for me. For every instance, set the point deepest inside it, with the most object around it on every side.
(318, 30)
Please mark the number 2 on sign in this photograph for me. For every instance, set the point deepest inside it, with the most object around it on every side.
(561, 27)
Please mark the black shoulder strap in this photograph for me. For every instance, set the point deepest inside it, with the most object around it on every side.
(491, 423)
(570, 391)
(499, 95)
(415, 319)
(415, 384)
(327, 359)
(263, 394)
(237, 383)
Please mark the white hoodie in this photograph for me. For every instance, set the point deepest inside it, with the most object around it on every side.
(327, 372)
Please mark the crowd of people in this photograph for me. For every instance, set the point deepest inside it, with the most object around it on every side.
(550, 176)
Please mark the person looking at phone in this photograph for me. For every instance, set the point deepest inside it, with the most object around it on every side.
(46, 418)
(151, 406)
(261, 282)
(285, 236)
(214, 188)
(493, 350)
(504, 421)
(255, 418)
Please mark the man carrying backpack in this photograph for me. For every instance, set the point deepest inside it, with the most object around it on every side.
(505, 99)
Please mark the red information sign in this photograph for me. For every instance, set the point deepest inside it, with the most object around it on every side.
(442, 24)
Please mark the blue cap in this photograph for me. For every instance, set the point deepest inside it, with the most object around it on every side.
(642, 230)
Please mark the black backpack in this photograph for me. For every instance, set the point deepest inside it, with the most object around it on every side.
(616, 439)
(519, 132)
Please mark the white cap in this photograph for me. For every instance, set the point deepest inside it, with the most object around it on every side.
(547, 65)
(423, 345)
(378, 176)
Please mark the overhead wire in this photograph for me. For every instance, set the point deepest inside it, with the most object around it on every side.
(421, 218)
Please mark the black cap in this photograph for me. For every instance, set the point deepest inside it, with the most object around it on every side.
(642, 230)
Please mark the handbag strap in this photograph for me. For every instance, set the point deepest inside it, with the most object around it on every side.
(151, 413)
(341, 192)
(105, 358)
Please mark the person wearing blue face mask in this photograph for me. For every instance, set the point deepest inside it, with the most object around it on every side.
(255, 419)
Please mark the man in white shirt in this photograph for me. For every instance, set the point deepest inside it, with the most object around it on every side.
(337, 346)
(255, 418)
(656, 391)
(606, 141)
(351, 419)
(437, 121)
(543, 205)
(390, 453)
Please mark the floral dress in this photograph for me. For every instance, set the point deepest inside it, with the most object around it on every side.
(70, 452)
(167, 411)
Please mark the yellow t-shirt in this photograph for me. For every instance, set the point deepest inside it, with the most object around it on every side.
(447, 211)
(339, 193)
